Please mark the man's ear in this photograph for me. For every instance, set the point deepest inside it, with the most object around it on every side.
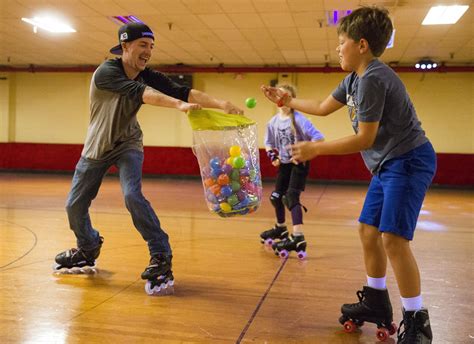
(124, 46)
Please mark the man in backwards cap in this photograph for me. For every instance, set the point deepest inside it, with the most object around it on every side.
(118, 89)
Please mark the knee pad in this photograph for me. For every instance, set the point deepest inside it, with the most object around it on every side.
(276, 199)
(292, 199)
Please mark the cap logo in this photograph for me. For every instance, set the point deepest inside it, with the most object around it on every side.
(123, 36)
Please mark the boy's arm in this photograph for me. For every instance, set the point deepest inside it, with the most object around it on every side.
(309, 106)
(205, 100)
(364, 139)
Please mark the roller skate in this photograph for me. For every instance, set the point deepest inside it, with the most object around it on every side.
(276, 233)
(77, 260)
(374, 306)
(159, 276)
(293, 243)
(417, 329)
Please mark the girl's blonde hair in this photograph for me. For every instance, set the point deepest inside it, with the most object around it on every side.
(292, 91)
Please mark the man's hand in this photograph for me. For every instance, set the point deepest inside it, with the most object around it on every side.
(304, 151)
(185, 107)
(273, 156)
(228, 107)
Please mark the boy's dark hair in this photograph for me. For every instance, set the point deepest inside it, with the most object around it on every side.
(371, 23)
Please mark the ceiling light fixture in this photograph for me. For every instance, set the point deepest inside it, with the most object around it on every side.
(50, 24)
(426, 64)
(441, 15)
(121, 20)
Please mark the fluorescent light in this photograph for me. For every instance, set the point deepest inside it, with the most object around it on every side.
(49, 23)
(439, 15)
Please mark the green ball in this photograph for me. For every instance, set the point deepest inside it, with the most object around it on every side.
(235, 185)
(238, 162)
(250, 103)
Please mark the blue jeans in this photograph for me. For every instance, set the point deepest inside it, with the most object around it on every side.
(85, 185)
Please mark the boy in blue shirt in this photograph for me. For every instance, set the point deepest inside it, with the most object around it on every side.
(401, 159)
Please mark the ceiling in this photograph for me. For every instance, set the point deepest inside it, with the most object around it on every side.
(224, 32)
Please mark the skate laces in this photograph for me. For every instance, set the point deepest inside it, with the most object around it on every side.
(408, 335)
(360, 295)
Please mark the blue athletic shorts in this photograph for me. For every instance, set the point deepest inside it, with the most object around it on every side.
(395, 196)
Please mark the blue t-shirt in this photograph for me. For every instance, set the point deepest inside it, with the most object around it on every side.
(279, 134)
(380, 96)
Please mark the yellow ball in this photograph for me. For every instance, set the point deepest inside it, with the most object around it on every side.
(229, 161)
(225, 207)
(234, 151)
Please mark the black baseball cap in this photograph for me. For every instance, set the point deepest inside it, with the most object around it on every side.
(130, 32)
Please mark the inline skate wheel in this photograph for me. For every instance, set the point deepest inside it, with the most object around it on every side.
(283, 254)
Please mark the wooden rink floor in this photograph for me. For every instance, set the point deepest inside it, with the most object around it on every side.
(228, 287)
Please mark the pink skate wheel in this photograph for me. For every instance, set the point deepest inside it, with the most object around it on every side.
(349, 326)
(269, 242)
(302, 255)
(382, 334)
(283, 254)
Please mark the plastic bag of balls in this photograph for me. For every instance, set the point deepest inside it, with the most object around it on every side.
(227, 151)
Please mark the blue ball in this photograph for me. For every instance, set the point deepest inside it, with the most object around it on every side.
(226, 191)
(215, 163)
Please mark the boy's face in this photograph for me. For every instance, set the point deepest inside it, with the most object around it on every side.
(349, 53)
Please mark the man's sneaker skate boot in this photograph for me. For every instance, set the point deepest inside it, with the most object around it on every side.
(293, 243)
(159, 275)
(417, 329)
(78, 260)
(276, 233)
(374, 306)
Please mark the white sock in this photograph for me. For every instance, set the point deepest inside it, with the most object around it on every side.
(281, 224)
(412, 303)
(377, 283)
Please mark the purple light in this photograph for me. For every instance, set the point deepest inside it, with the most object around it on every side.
(335, 17)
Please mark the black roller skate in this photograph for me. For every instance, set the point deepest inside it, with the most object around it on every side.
(374, 306)
(77, 260)
(276, 233)
(417, 329)
(159, 275)
(293, 243)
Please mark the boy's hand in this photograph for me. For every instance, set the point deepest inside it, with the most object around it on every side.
(273, 156)
(276, 95)
(304, 151)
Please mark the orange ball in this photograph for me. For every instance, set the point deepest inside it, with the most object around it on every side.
(215, 189)
(223, 179)
(208, 182)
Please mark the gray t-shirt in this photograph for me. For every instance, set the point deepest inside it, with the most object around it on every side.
(279, 134)
(380, 96)
(114, 102)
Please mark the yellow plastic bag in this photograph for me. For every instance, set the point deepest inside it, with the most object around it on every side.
(226, 147)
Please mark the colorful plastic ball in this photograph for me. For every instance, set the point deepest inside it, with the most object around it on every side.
(208, 182)
(238, 162)
(244, 180)
(252, 174)
(235, 175)
(235, 186)
(226, 191)
(225, 207)
(232, 200)
(234, 151)
(215, 189)
(250, 103)
(215, 163)
(244, 171)
(226, 168)
(241, 195)
(216, 172)
(223, 179)
(211, 197)
(229, 160)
